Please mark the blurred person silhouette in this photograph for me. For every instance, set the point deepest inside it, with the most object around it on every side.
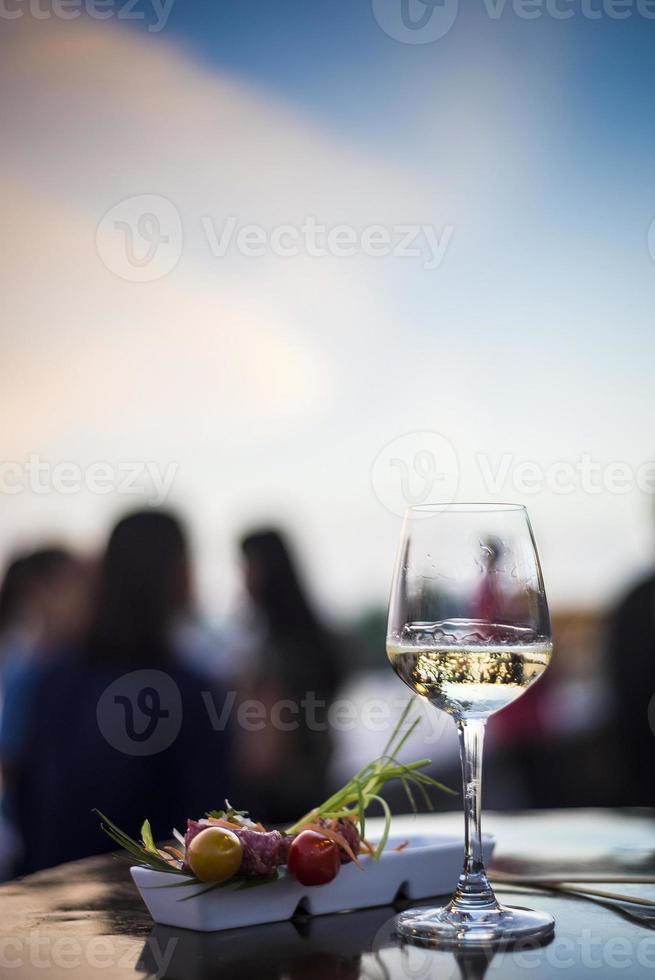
(295, 673)
(43, 607)
(82, 747)
(631, 666)
(42, 603)
(14, 620)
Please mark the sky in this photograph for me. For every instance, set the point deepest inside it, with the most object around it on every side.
(174, 323)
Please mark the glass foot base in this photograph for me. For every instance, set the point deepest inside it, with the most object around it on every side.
(481, 927)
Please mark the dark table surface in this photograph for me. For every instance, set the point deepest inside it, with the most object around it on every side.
(86, 919)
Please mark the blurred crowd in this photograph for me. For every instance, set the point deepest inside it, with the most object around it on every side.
(72, 627)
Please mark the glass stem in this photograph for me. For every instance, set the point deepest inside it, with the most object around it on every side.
(473, 890)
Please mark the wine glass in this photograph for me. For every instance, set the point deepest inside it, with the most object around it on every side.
(469, 630)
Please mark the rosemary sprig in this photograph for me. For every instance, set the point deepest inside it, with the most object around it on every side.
(141, 852)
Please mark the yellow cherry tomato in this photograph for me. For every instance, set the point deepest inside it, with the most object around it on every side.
(214, 854)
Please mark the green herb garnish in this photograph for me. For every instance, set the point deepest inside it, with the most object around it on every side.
(351, 802)
(145, 856)
(234, 816)
(147, 839)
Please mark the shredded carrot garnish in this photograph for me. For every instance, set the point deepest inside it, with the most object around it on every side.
(232, 825)
(216, 822)
(367, 846)
(336, 838)
(177, 854)
(401, 847)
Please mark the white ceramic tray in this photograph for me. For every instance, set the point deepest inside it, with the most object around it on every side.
(429, 865)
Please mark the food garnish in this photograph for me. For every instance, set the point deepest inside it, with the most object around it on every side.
(228, 849)
(214, 854)
(313, 858)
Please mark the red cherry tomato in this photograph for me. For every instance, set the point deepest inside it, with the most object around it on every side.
(313, 859)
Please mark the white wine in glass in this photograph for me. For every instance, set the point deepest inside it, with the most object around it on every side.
(469, 631)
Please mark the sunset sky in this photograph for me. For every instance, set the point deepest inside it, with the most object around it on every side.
(270, 384)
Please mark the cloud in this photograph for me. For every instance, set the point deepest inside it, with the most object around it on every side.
(99, 114)
(243, 371)
(275, 382)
